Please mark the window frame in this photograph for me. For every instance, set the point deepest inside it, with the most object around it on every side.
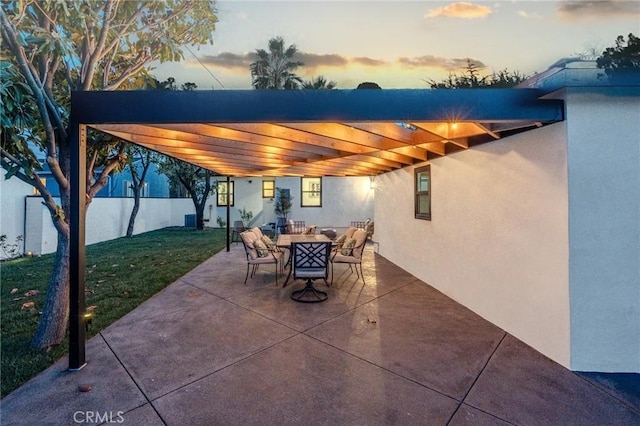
(266, 191)
(219, 201)
(305, 194)
(417, 172)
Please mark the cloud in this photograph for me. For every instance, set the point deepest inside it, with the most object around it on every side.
(430, 61)
(464, 10)
(313, 60)
(527, 15)
(229, 60)
(370, 62)
(588, 9)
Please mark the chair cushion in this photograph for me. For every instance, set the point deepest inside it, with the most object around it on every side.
(261, 248)
(351, 231)
(340, 258)
(312, 273)
(273, 257)
(257, 231)
(360, 236)
(267, 241)
(340, 240)
(248, 239)
(347, 247)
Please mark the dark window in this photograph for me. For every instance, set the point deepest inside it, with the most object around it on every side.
(311, 192)
(268, 188)
(222, 193)
(423, 193)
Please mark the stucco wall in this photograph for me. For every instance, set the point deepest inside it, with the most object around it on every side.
(107, 218)
(498, 238)
(344, 199)
(12, 193)
(603, 128)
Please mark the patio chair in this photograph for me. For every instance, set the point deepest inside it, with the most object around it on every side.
(351, 253)
(238, 228)
(369, 229)
(258, 254)
(295, 227)
(310, 262)
(311, 230)
(358, 224)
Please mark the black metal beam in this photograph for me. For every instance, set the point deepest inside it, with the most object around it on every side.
(246, 106)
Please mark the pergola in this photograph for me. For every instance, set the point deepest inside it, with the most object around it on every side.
(290, 133)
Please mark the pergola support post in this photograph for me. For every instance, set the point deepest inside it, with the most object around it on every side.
(228, 212)
(77, 247)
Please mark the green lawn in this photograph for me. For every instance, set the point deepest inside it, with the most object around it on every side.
(121, 274)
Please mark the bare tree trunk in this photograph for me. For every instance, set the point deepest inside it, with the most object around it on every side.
(199, 216)
(134, 212)
(55, 313)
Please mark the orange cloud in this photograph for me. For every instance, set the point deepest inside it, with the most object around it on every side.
(430, 61)
(463, 9)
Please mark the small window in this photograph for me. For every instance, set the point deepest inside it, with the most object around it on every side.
(423, 193)
(311, 192)
(268, 189)
(223, 192)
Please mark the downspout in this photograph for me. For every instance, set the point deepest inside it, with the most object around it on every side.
(24, 227)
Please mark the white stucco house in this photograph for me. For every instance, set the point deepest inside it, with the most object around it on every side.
(538, 230)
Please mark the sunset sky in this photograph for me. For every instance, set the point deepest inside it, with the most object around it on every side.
(400, 44)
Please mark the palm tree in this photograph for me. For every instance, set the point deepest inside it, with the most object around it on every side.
(275, 69)
(319, 83)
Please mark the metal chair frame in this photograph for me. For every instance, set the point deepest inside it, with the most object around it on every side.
(238, 228)
(254, 265)
(359, 274)
(310, 262)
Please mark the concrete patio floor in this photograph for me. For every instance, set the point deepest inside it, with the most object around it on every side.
(209, 350)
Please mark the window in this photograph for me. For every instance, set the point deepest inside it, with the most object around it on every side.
(127, 189)
(311, 192)
(222, 193)
(268, 189)
(423, 193)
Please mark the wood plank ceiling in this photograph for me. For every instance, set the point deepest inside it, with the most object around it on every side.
(312, 134)
(304, 149)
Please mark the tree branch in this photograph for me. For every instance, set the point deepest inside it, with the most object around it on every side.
(132, 70)
(95, 56)
(21, 58)
(108, 168)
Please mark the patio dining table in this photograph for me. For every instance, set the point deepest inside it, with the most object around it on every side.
(284, 241)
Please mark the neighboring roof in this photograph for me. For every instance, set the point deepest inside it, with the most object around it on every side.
(575, 72)
(312, 132)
